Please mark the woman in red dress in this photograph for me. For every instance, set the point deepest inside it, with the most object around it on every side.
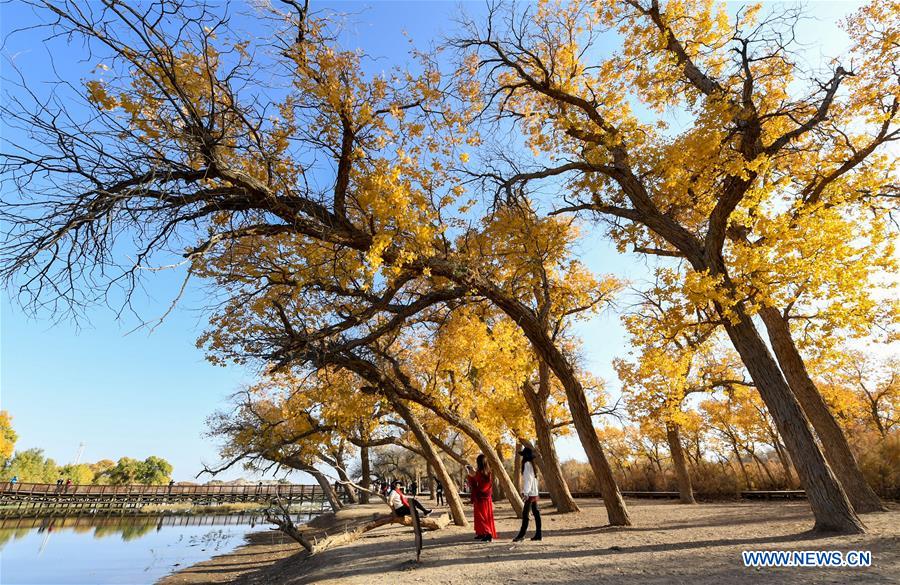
(481, 486)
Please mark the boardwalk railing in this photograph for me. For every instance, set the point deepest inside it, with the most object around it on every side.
(199, 491)
(42, 498)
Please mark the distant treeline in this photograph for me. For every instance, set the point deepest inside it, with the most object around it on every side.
(31, 466)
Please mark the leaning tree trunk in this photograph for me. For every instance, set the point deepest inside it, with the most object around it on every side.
(553, 477)
(517, 466)
(333, 500)
(834, 442)
(366, 470)
(740, 462)
(431, 455)
(616, 510)
(829, 503)
(345, 482)
(510, 491)
(429, 474)
(685, 489)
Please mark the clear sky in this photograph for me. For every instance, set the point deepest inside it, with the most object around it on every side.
(149, 393)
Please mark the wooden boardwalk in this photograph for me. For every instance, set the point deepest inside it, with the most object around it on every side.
(35, 499)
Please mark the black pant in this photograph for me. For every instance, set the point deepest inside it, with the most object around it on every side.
(537, 519)
(440, 498)
(404, 510)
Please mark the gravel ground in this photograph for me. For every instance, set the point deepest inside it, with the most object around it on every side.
(669, 543)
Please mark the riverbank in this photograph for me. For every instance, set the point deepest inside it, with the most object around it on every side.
(670, 543)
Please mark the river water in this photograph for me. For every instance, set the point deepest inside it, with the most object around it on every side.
(114, 549)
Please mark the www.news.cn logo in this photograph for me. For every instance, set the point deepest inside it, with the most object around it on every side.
(806, 558)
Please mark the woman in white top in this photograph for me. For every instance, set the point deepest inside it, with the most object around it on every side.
(530, 496)
(400, 504)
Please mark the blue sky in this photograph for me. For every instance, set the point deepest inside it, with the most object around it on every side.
(149, 393)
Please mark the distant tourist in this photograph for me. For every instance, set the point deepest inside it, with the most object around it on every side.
(59, 485)
(400, 505)
(530, 495)
(68, 484)
(414, 488)
(439, 490)
(15, 479)
(481, 487)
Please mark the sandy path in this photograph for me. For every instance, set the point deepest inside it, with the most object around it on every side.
(670, 543)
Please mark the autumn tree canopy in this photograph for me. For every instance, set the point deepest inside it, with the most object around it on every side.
(367, 228)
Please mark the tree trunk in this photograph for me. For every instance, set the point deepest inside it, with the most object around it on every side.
(740, 462)
(785, 462)
(517, 467)
(366, 470)
(685, 489)
(616, 510)
(326, 486)
(451, 491)
(351, 493)
(834, 442)
(552, 471)
(827, 499)
(510, 491)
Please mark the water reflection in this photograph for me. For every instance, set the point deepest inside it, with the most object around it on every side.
(115, 549)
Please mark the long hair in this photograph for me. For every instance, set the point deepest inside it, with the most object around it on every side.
(527, 456)
(481, 464)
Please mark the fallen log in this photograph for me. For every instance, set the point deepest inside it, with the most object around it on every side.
(316, 543)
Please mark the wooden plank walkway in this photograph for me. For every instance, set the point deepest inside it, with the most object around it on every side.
(40, 498)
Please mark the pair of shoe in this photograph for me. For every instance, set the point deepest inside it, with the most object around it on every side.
(486, 538)
(427, 513)
(521, 538)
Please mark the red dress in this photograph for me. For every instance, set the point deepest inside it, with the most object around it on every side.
(482, 494)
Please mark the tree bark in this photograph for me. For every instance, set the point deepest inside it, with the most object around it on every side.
(829, 503)
(834, 442)
(685, 488)
(451, 491)
(517, 466)
(366, 470)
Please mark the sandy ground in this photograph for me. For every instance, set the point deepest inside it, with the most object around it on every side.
(669, 543)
